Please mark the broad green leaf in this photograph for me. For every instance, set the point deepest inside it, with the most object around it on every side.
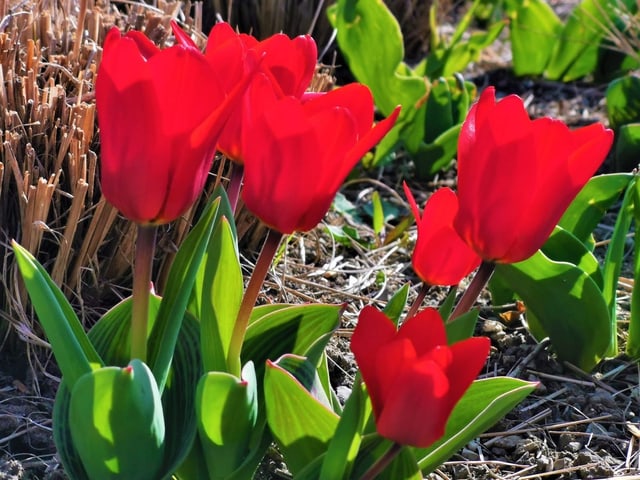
(177, 293)
(436, 156)
(633, 340)
(567, 303)
(577, 48)
(117, 424)
(395, 306)
(178, 399)
(623, 101)
(614, 258)
(460, 55)
(590, 205)
(562, 246)
(292, 329)
(227, 411)
(462, 327)
(486, 402)
(217, 294)
(325, 382)
(74, 353)
(344, 446)
(534, 30)
(301, 425)
(627, 147)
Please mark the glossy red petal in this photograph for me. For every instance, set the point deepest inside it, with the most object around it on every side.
(373, 331)
(425, 330)
(145, 46)
(415, 411)
(469, 357)
(440, 256)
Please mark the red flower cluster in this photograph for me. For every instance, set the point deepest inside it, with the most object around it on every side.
(162, 113)
(414, 379)
(516, 177)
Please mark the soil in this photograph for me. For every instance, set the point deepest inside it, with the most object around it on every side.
(575, 425)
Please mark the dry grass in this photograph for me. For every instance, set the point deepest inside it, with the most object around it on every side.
(50, 198)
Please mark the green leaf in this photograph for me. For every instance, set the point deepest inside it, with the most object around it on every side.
(447, 306)
(486, 402)
(576, 50)
(227, 411)
(623, 101)
(590, 205)
(217, 294)
(288, 329)
(633, 340)
(74, 353)
(344, 446)
(627, 149)
(436, 156)
(614, 258)
(395, 306)
(177, 292)
(567, 303)
(110, 337)
(534, 31)
(562, 246)
(117, 424)
(302, 426)
(462, 327)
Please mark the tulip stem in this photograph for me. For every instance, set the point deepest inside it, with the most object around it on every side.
(424, 289)
(472, 292)
(382, 463)
(269, 249)
(145, 248)
(235, 182)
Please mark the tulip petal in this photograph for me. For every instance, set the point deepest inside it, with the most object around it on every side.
(415, 412)
(468, 358)
(374, 331)
(440, 256)
(425, 330)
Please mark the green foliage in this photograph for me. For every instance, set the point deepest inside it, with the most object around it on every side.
(564, 303)
(126, 425)
(590, 205)
(486, 402)
(302, 425)
(227, 411)
(534, 28)
(434, 101)
(75, 354)
(542, 45)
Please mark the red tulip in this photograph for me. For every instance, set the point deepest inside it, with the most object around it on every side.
(414, 379)
(516, 177)
(160, 113)
(440, 256)
(299, 151)
(289, 63)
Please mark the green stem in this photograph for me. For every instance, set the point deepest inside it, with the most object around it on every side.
(472, 292)
(382, 463)
(145, 247)
(424, 289)
(235, 182)
(269, 249)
